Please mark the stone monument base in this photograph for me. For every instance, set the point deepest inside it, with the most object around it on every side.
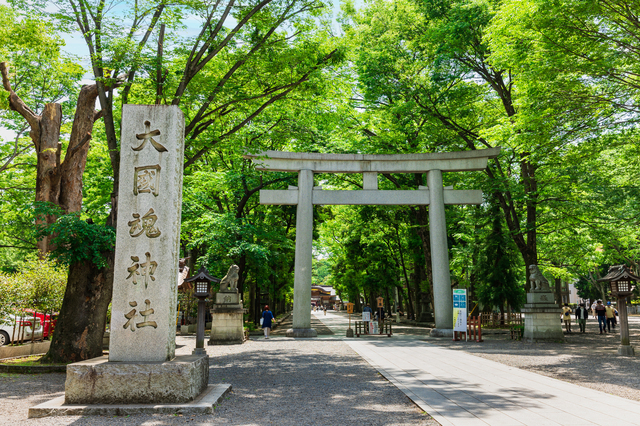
(203, 404)
(302, 332)
(98, 381)
(542, 318)
(441, 332)
(227, 321)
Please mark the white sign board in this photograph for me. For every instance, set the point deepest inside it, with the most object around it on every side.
(373, 327)
(366, 316)
(460, 310)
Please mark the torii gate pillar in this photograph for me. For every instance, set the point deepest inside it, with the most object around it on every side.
(443, 310)
(435, 196)
(304, 258)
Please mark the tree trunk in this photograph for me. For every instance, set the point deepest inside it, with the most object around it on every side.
(400, 292)
(387, 301)
(242, 274)
(48, 165)
(558, 290)
(252, 302)
(81, 323)
(410, 309)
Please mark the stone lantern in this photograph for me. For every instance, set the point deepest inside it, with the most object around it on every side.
(622, 283)
(202, 289)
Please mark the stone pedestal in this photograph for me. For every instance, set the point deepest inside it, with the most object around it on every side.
(542, 318)
(301, 332)
(226, 324)
(98, 381)
(440, 332)
(626, 350)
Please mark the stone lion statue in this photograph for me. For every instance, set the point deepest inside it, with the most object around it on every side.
(538, 281)
(230, 281)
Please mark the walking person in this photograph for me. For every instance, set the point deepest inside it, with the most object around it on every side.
(367, 308)
(602, 316)
(593, 310)
(566, 317)
(267, 316)
(581, 316)
(611, 316)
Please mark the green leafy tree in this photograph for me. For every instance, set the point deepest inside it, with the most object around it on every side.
(498, 281)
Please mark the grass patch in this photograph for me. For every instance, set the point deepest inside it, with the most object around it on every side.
(25, 361)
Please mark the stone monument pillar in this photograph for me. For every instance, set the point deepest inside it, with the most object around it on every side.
(226, 315)
(541, 313)
(142, 366)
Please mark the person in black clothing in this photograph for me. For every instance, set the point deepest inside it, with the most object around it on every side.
(601, 311)
(581, 317)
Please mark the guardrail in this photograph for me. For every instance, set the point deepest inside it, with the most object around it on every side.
(385, 329)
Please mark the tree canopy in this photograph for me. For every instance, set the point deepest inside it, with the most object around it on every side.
(553, 83)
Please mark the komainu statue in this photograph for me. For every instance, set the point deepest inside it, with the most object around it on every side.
(538, 281)
(230, 281)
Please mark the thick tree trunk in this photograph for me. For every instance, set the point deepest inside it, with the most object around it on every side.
(70, 198)
(48, 165)
(82, 320)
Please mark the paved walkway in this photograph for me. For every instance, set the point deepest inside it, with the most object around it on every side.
(457, 388)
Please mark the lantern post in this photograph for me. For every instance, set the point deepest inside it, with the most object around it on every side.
(202, 290)
(622, 283)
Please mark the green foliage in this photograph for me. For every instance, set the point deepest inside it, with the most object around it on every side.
(39, 285)
(498, 282)
(75, 240)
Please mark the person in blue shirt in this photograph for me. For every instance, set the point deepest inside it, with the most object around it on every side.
(367, 308)
(267, 316)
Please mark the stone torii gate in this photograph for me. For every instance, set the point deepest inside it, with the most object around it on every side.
(305, 195)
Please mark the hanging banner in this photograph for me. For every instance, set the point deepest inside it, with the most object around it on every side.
(460, 310)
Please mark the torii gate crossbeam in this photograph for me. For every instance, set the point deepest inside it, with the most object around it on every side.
(305, 196)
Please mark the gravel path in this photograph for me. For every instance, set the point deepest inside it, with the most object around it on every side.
(275, 382)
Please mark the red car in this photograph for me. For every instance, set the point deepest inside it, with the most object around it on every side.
(48, 325)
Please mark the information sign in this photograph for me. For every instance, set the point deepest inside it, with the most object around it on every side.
(350, 308)
(373, 327)
(380, 302)
(460, 310)
(366, 316)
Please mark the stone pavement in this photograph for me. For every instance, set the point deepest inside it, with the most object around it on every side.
(457, 388)
(320, 328)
